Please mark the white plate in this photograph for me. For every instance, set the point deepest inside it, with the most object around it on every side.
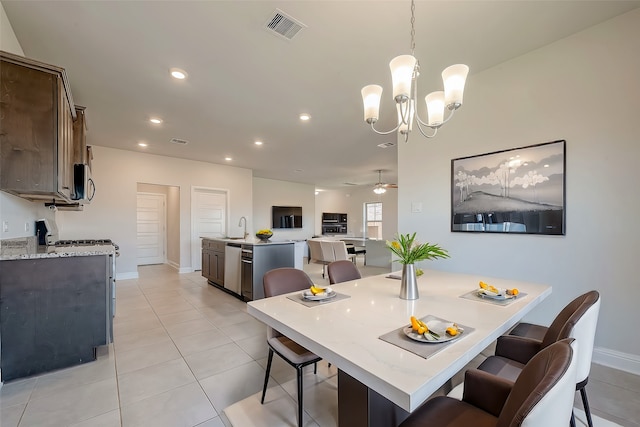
(319, 297)
(436, 326)
(500, 296)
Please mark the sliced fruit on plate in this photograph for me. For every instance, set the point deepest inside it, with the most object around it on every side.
(316, 290)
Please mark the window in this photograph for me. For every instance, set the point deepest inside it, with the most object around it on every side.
(373, 220)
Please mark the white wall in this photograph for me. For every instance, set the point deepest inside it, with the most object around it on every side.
(351, 201)
(112, 213)
(268, 192)
(584, 89)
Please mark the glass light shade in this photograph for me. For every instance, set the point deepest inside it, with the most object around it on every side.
(371, 99)
(408, 115)
(401, 75)
(454, 78)
(379, 190)
(435, 108)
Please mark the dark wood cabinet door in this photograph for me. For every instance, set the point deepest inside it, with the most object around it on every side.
(36, 130)
(29, 125)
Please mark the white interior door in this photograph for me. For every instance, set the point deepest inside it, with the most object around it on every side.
(209, 219)
(151, 228)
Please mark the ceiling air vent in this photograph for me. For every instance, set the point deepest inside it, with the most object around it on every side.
(178, 141)
(386, 144)
(282, 25)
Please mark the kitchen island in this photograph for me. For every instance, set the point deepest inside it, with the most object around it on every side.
(237, 265)
(55, 306)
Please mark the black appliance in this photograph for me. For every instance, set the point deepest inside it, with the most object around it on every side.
(334, 223)
(246, 273)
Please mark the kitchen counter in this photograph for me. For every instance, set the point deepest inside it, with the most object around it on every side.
(250, 241)
(55, 306)
(237, 265)
(11, 252)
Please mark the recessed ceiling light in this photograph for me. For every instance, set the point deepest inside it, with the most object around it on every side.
(304, 117)
(155, 120)
(142, 144)
(228, 159)
(177, 73)
(258, 142)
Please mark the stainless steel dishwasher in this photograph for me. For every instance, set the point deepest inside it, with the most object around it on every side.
(232, 267)
(246, 272)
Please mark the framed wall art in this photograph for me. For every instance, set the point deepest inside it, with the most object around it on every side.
(521, 190)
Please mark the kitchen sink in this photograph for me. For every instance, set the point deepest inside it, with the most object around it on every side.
(233, 238)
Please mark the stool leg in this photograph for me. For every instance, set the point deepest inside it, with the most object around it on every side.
(299, 369)
(266, 375)
(572, 423)
(585, 403)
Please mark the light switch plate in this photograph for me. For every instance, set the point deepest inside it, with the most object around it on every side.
(416, 207)
(5, 226)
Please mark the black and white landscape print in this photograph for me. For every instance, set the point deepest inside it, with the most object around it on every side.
(513, 191)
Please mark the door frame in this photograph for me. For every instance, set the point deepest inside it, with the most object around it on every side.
(164, 224)
(195, 241)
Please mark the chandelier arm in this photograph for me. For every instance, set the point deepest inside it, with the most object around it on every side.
(435, 130)
(382, 132)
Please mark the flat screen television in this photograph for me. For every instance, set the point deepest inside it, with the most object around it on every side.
(286, 216)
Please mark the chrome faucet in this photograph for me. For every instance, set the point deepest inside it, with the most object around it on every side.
(245, 226)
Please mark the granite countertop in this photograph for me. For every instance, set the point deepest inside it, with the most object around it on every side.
(10, 252)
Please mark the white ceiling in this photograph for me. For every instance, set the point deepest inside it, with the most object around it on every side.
(246, 84)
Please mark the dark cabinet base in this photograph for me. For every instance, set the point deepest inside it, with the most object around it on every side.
(53, 313)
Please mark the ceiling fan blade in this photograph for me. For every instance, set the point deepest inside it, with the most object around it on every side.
(390, 185)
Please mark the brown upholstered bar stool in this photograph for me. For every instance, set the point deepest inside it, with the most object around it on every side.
(342, 271)
(541, 396)
(277, 282)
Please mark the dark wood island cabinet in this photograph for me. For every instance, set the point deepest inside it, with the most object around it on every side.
(54, 312)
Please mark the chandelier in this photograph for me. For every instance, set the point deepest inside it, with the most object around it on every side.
(405, 70)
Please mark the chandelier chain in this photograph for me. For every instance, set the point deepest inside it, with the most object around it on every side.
(413, 29)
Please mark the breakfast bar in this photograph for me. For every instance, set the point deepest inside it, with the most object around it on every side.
(380, 383)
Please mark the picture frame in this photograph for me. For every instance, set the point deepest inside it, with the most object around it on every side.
(520, 190)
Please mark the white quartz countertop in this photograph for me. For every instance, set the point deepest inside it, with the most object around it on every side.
(346, 332)
(55, 252)
(250, 241)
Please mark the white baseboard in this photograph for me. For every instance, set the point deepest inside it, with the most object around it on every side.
(616, 359)
(127, 275)
(181, 270)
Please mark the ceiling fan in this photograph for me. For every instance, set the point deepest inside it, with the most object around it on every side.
(381, 187)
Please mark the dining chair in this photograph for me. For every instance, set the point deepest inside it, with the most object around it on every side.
(542, 395)
(342, 271)
(360, 250)
(340, 251)
(577, 320)
(320, 252)
(277, 282)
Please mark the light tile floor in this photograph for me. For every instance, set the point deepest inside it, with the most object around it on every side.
(187, 354)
